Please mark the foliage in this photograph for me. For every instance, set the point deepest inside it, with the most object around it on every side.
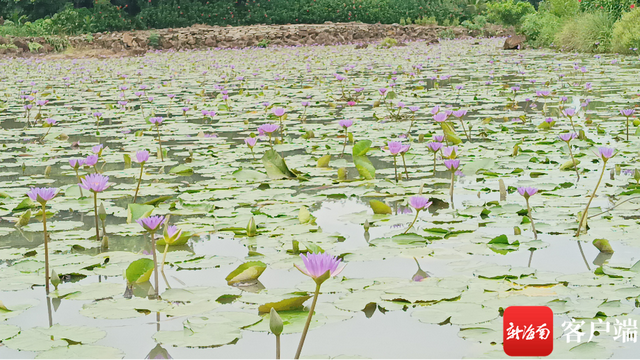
(508, 12)
(263, 43)
(589, 32)
(34, 47)
(426, 21)
(58, 43)
(616, 8)
(626, 33)
(154, 39)
(446, 34)
(388, 42)
(560, 8)
(541, 28)
(477, 24)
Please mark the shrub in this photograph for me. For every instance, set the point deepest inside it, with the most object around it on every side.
(541, 28)
(34, 47)
(589, 32)
(560, 8)
(626, 32)
(388, 42)
(614, 7)
(426, 21)
(508, 12)
(447, 34)
(154, 39)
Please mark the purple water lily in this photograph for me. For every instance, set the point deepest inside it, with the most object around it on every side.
(345, 123)
(95, 183)
(142, 156)
(317, 265)
(42, 195)
(527, 192)
(152, 223)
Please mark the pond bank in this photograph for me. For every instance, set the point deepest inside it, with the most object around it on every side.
(203, 36)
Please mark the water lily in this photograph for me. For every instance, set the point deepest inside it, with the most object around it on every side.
(567, 137)
(142, 157)
(434, 147)
(394, 148)
(171, 235)
(157, 121)
(345, 124)
(268, 129)
(605, 154)
(152, 225)
(528, 192)
(419, 203)
(627, 113)
(95, 183)
(251, 142)
(75, 164)
(319, 267)
(452, 165)
(570, 113)
(42, 195)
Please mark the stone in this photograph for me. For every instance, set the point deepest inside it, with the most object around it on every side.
(514, 42)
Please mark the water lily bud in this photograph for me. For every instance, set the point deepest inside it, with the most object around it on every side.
(127, 161)
(516, 230)
(55, 279)
(342, 174)
(636, 175)
(421, 138)
(47, 171)
(251, 228)
(275, 322)
(351, 138)
(105, 242)
(366, 225)
(102, 213)
(24, 168)
(26, 216)
(310, 134)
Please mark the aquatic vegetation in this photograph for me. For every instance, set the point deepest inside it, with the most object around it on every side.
(256, 172)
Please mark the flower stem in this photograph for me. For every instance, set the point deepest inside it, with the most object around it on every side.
(79, 187)
(453, 174)
(160, 143)
(584, 214)
(95, 211)
(135, 197)
(306, 326)
(627, 129)
(46, 248)
(434, 163)
(533, 226)
(410, 226)
(277, 346)
(395, 166)
(155, 262)
(252, 154)
(164, 256)
(465, 131)
(405, 167)
(344, 146)
(575, 165)
(573, 126)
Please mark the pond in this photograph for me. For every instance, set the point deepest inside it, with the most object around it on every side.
(421, 281)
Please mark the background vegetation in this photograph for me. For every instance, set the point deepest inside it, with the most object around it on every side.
(570, 25)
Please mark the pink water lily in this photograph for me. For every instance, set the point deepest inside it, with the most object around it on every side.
(419, 202)
(345, 123)
(95, 183)
(279, 111)
(394, 147)
(527, 191)
(142, 156)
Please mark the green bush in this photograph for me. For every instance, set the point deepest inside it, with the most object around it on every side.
(508, 12)
(426, 21)
(616, 8)
(154, 39)
(626, 33)
(541, 28)
(560, 8)
(588, 32)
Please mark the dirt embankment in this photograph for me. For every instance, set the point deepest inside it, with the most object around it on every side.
(203, 36)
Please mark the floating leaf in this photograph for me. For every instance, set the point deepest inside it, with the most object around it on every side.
(139, 271)
(275, 166)
(137, 211)
(379, 207)
(246, 272)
